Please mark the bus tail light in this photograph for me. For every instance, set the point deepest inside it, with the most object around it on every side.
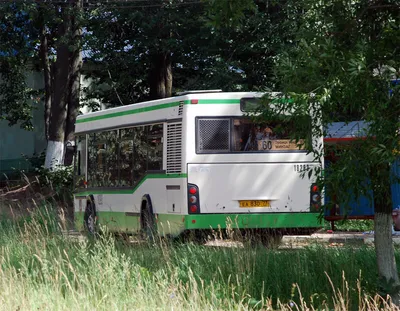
(193, 199)
(315, 198)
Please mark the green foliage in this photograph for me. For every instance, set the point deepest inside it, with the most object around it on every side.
(59, 179)
(351, 225)
(228, 13)
(36, 161)
(340, 69)
(17, 99)
(29, 35)
(122, 44)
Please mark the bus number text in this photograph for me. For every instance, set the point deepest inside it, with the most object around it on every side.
(301, 167)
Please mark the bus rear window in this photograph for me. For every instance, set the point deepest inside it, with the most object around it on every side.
(249, 103)
(262, 137)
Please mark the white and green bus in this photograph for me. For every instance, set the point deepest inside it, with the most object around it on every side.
(194, 161)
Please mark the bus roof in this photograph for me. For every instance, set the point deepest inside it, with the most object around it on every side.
(162, 109)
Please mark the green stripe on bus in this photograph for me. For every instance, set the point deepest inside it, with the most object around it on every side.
(128, 112)
(156, 107)
(219, 101)
(174, 224)
(121, 222)
(130, 191)
(264, 220)
(114, 221)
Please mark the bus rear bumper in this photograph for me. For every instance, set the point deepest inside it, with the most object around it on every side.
(242, 221)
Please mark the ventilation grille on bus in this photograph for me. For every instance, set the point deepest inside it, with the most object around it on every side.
(174, 148)
(213, 135)
(180, 109)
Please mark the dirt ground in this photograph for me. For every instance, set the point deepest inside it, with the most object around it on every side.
(19, 198)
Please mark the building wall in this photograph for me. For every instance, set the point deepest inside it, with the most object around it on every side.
(15, 143)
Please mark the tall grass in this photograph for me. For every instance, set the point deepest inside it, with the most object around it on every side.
(40, 269)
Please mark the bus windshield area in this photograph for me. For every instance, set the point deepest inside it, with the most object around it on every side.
(262, 137)
(231, 135)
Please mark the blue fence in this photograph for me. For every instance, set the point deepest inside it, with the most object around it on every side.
(363, 207)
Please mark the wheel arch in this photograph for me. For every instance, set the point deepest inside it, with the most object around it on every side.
(90, 199)
(146, 203)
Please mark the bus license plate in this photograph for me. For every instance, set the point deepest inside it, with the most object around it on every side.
(254, 203)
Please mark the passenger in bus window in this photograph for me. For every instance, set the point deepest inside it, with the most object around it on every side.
(267, 133)
(258, 133)
(251, 143)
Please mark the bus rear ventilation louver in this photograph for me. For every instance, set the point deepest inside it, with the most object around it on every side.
(174, 148)
(180, 109)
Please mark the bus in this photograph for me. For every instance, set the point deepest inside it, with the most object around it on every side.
(193, 161)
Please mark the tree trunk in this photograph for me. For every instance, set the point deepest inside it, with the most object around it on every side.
(386, 261)
(161, 76)
(74, 94)
(387, 268)
(44, 55)
(58, 112)
(168, 75)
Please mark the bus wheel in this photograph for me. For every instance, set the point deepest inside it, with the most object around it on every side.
(271, 238)
(147, 219)
(90, 218)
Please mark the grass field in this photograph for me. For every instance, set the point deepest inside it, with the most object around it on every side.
(40, 269)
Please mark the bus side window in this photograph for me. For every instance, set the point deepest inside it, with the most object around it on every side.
(139, 153)
(103, 164)
(80, 162)
(155, 147)
(126, 157)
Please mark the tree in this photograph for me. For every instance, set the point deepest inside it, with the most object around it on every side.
(137, 52)
(134, 51)
(341, 67)
(45, 36)
(125, 45)
(15, 53)
(62, 77)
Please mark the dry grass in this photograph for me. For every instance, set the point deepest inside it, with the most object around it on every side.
(42, 270)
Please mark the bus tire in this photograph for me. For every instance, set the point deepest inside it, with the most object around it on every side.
(271, 238)
(89, 219)
(148, 226)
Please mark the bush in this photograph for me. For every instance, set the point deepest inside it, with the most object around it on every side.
(36, 161)
(59, 179)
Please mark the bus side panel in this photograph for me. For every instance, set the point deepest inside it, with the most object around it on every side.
(119, 210)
